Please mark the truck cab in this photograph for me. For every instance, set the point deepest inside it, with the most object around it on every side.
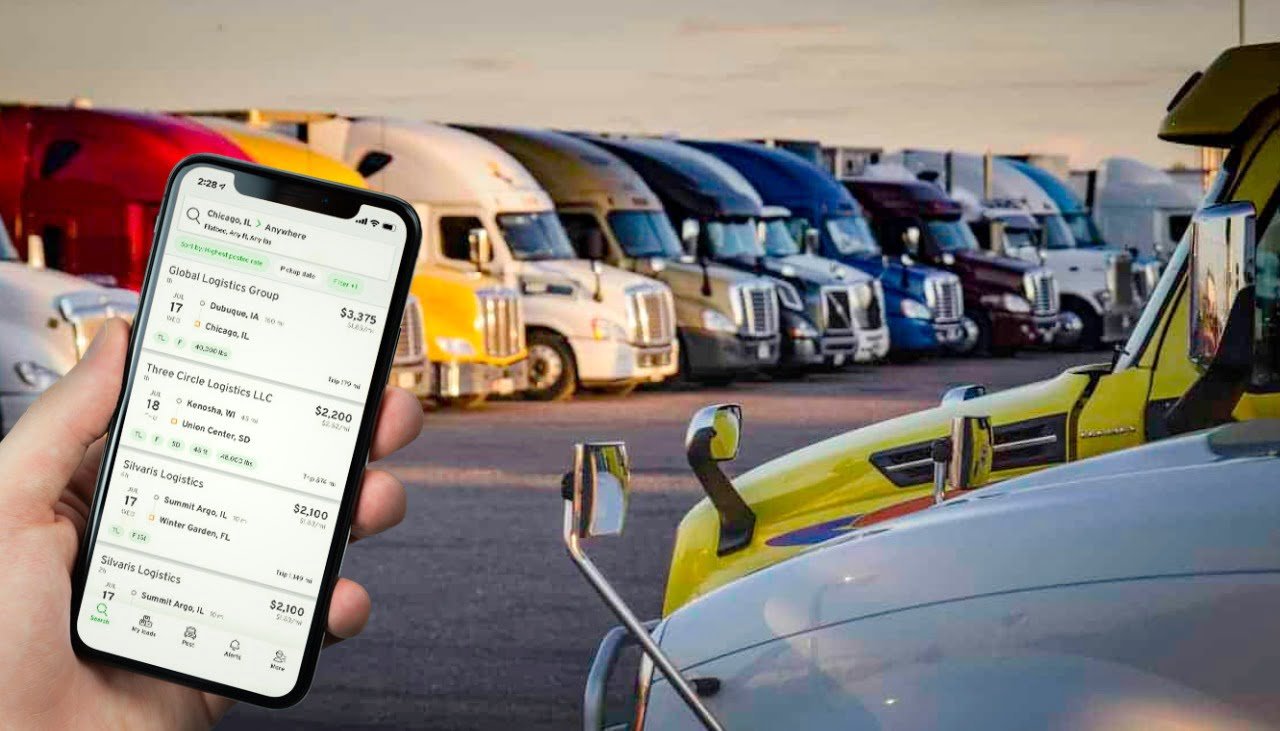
(1009, 303)
(921, 306)
(409, 368)
(88, 183)
(598, 196)
(485, 215)
(1137, 206)
(47, 322)
(823, 490)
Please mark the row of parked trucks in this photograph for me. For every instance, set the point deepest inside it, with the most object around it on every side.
(1123, 570)
(555, 261)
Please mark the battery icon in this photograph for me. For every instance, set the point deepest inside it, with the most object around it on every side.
(389, 226)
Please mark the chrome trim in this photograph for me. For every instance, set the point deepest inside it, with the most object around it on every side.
(594, 695)
(650, 318)
(997, 448)
(943, 295)
(1041, 290)
(503, 319)
(410, 347)
(755, 309)
(956, 394)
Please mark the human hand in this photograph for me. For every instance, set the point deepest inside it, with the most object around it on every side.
(48, 472)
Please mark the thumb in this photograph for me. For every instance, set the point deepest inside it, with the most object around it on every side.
(48, 443)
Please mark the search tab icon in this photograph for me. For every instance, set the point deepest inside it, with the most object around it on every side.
(193, 214)
(102, 608)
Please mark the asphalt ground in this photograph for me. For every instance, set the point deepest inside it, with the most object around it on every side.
(480, 621)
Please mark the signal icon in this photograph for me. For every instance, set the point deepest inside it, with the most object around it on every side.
(362, 221)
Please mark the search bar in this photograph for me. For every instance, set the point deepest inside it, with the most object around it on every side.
(285, 237)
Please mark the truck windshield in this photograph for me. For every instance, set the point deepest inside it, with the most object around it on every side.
(734, 239)
(645, 234)
(535, 236)
(1084, 230)
(852, 235)
(1056, 234)
(1016, 239)
(951, 235)
(778, 240)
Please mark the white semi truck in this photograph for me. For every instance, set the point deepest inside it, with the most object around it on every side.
(586, 323)
(1136, 206)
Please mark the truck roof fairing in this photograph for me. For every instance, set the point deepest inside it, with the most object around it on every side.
(441, 165)
(1063, 196)
(1211, 110)
(1009, 183)
(274, 149)
(690, 178)
(782, 177)
(572, 170)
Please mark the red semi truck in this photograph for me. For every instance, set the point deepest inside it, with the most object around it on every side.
(88, 183)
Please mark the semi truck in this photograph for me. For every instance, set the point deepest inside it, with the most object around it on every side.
(716, 213)
(1009, 303)
(409, 367)
(46, 324)
(1137, 206)
(821, 490)
(586, 323)
(601, 199)
(923, 305)
(1120, 588)
(88, 183)
(1086, 277)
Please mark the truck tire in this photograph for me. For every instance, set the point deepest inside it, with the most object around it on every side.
(553, 374)
(1091, 323)
(617, 389)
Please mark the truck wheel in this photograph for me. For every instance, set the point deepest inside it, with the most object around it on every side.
(617, 389)
(553, 376)
(982, 346)
(1091, 324)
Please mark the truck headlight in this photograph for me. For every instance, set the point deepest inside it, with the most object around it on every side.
(804, 330)
(459, 347)
(789, 297)
(716, 321)
(1008, 302)
(35, 375)
(602, 329)
(915, 310)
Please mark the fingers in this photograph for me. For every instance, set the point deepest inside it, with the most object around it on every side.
(348, 610)
(399, 422)
(48, 444)
(381, 504)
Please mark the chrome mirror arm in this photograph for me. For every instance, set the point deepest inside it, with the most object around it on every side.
(633, 625)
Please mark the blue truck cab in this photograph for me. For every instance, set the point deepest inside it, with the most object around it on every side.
(924, 305)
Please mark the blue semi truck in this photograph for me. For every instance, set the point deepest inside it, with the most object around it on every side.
(924, 306)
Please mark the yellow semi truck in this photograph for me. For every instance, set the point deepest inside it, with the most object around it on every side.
(829, 488)
(471, 325)
(409, 369)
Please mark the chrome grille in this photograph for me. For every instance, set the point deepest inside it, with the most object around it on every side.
(1120, 280)
(1145, 278)
(650, 315)
(837, 309)
(756, 309)
(410, 348)
(503, 322)
(1042, 291)
(944, 297)
(870, 316)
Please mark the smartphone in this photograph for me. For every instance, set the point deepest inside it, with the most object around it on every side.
(269, 316)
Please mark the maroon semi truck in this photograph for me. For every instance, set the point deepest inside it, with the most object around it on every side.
(88, 183)
(1009, 304)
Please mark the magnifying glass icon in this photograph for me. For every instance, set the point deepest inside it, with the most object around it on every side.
(102, 608)
(193, 214)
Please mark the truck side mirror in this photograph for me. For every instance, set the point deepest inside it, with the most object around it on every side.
(598, 489)
(480, 250)
(959, 394)
(963, 460)
(812, 240)
(594, 245)
(1222, 265)
(35, 251)
(714, 435)
(690, 233)
(595, 495)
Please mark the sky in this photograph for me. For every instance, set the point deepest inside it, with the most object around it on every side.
(1084, 78)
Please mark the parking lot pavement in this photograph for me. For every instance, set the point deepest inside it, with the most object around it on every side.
(480, 621)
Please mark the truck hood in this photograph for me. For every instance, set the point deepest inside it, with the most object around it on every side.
(1211, 507)
(579, 272)
(992, 269)
(814, 270)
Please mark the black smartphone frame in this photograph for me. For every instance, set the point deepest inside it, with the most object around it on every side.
(310, 194)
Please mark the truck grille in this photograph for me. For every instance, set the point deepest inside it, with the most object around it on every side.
(409, 348)
(837, 309)
(756, 309)
(1145, 278)
(870, 316)
(503, 322)
(944, 297)
(1120, 280)
(650, 314)
(1042, 291)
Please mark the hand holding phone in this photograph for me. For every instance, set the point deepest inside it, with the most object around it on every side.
(230, 475)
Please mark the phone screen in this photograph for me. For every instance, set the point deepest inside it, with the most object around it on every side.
(238, 433)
